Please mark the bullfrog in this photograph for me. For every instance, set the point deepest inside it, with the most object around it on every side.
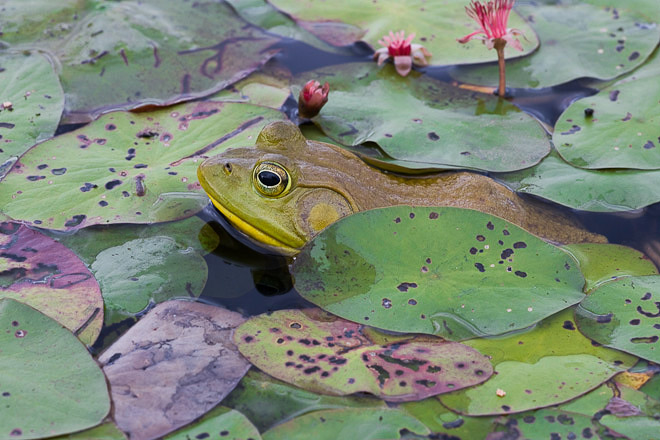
(286, 189)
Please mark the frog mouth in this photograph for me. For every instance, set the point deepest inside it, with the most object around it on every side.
(258, 235)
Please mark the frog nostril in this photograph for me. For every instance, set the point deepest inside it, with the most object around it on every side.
(228, 168)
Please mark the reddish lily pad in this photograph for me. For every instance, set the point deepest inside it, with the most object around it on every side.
(171, 367)
(127, 167)
(38, 271)
(321, 353)
(624, 314)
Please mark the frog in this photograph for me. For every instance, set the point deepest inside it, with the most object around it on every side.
(286, 189)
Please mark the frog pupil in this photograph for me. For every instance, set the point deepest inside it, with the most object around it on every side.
(269, 178)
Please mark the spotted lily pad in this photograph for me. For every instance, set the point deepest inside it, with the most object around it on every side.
(451, 272)
(44, 366)
(31, 102)
(443, 421)
(173, 366)
(549, 424)
(359, 423)
(625, 315)
(548, 365)
(127, 167)
(38, 271)
(121, 55)
(577, 40)
(437, 25)
(229, 424)
(322, 353)
(587, 190)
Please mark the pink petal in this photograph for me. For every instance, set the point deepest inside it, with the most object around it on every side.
(403, 64)
(468, 37)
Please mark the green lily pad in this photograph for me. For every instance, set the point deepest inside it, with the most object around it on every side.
(121, 55)
(451, 272)
(639, 427)
(127, 167)
(577, 40)
(548, 365)
(616, 128)
(30, 88)
(268, 401)
(437, 26)
(624, 314)
(359, 423)
(442, 126)
(587, 190)
(442, 421)
(106, 431)
(268, 87)
(603, 262)
(173, 366)
(549, 424)
(145, 271)
(321, 353)
(229, 424)
(37, 364)
(44, 274)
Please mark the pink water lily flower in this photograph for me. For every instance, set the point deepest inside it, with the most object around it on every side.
(402, 52)
(311, 98)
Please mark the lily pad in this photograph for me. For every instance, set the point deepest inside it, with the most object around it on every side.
(106, 431)
(268, 87)
(624, 314)
(122, 55)
(603, 262)
(587, 190)
(633, 427)
(127, 167)
(31, 102)
(577, 40)
(44, 274)
(549, 424)
(451, 272)
(445, 422)
(322, 353)
(359, 423)
(173, 366)
(617, 128)
(268, 401)
(36, 364)
(548, 365)
(437, 26)
(229, 424)
(442, 124)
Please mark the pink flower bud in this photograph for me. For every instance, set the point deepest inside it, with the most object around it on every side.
(312, 97)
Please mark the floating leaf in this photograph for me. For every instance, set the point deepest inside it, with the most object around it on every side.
(322, 353)
(106, 431)
(171, 367)
(229, 424)
(44, 366)
(268, 87)
(31, 102)
(359, 423)
(452, 272)
(268, 401)
(633, 427)
(121, 55)
(587, 190)
(617, 128)
(437, 25)
(603, 262)
(440, 420)
(38, 271)
(550, 424)
(624, 314)
(548, 365)
(127, 167)
(577, 40)
(441, 125)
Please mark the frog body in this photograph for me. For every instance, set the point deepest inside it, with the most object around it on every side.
(286, 189)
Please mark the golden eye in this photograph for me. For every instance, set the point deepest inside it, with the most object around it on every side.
(271, 179)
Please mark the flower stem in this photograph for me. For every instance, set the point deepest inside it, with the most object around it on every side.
(499, 44)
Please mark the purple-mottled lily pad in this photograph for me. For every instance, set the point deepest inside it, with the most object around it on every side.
(441, 127)
(122, 55)
(549, 364)
(577, 40)
(228, 423)
(624, 314)
(358, 423)
(437, 25)
(127, 167)
(31, 103)
(322, 353)
(38, 271)
(451, 272)
(171, 367)
(50, 384)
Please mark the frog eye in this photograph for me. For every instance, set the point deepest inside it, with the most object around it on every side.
(271, 179)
